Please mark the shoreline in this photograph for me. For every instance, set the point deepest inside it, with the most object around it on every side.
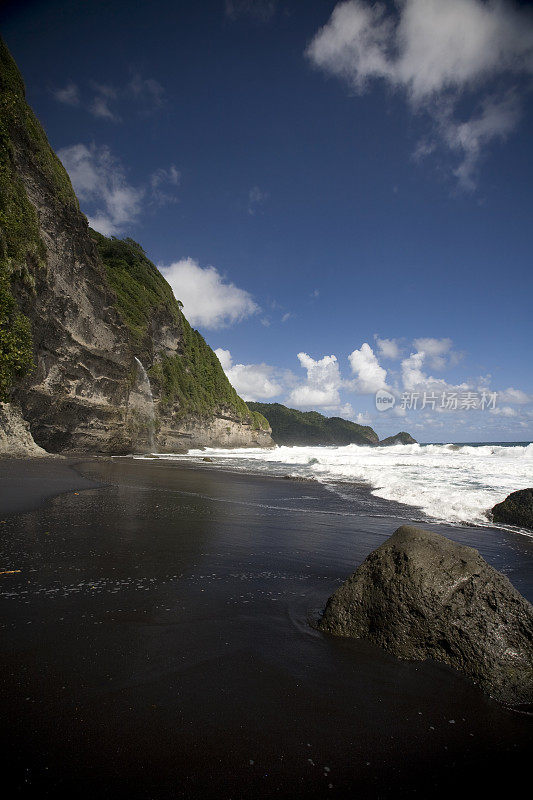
(156, 643)
(392, 508)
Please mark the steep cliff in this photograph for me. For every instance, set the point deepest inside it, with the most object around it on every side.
(82, 318)
(292, 427)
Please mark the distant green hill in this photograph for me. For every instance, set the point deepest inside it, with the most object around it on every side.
(292, 427)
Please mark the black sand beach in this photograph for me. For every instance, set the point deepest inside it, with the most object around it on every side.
(156, 644)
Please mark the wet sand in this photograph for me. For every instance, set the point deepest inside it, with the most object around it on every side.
(156, 644)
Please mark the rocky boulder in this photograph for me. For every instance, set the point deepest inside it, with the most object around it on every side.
(516, 509)
(399, 438)
(421, 596)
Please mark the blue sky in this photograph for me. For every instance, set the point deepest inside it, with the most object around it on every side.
(316, 180)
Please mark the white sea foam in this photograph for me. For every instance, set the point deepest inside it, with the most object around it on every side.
(446, 482)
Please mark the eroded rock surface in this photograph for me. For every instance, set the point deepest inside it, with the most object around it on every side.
(421, 596)
(16, 440)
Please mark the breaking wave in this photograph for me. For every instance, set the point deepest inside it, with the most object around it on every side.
(447, 482)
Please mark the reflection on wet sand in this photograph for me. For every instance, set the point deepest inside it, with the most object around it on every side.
(156, 643)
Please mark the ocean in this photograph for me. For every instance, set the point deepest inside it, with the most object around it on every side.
(450, 483)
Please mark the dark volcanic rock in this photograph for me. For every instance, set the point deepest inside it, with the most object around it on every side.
(421, 596)
(516, 509)
(400, 438)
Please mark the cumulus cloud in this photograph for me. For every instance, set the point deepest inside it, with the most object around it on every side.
(321, 389)
(251, 381)
(369, 375)
(224, 356)
(99, 180)
(388, 348)
(415, 379)
(439, 353)
(208, 299)
(69, 95)
(433, 347)
(436, 53)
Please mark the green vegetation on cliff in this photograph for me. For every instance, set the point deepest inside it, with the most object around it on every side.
(292, 427)
(24, 130)
(141, 290)
(21, 248)
(22, 252)
(42, 236)
(192, 379)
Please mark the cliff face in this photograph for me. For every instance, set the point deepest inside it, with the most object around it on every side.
(74, 354)
(16, 440)
(292, 427)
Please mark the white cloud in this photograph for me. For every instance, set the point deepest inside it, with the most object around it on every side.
(251, 381)
(388, 348)
(208, 300)
(143, 94)
(433, 347)
(256, 198)
(398, 411)
(69, 95)
(435, 51)
(517, 396)
(164, 177)
(439, 352)
(504, 411)
(321, 389)
(415, 379)
(369, 376)
(224, 356)
(99, 179)
(496, 120)
(100, 105)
